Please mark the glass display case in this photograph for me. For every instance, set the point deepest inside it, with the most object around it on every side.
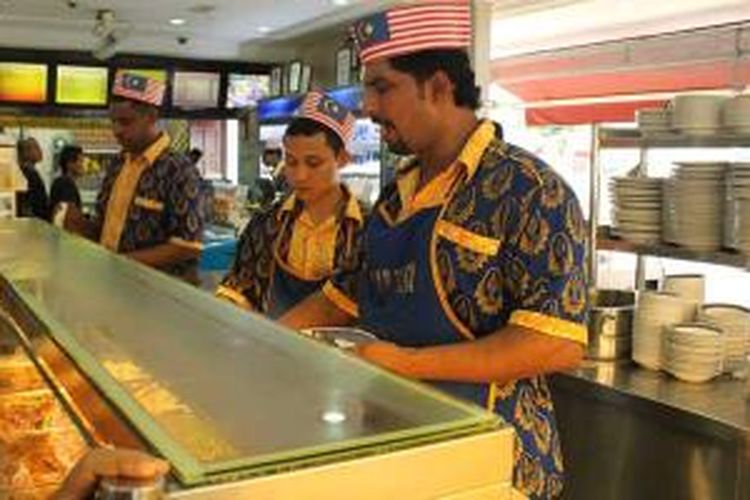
(220, 393)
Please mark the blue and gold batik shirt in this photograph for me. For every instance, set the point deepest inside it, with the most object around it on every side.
(150, 199)
(506, 246)
(284, 236)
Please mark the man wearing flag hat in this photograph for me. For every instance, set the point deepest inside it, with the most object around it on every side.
(472, 273)
(288, 252)
(149, 206)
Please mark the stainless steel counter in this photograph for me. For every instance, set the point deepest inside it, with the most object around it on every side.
(633, 433)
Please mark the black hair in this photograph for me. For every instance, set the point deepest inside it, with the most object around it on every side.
(68, 154)
(453, 62)
(195, 155)
(142, 108)
(307, 127)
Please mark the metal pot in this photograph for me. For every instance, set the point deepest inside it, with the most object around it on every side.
(611, 324)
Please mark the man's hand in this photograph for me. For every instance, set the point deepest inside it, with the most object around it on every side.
(104, 462)
(388, 356)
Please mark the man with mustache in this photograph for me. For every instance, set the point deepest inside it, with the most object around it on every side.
(472, 271)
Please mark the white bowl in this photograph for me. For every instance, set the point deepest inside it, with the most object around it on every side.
(697, 114)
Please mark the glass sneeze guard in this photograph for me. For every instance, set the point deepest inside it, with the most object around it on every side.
(214, 389)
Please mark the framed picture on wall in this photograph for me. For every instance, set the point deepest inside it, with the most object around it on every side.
(343, 66)
(294, 76)
(275, 86)
(306, 78)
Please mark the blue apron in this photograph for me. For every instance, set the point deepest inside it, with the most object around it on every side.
(397, 299)
(286, 288)
(398, 302)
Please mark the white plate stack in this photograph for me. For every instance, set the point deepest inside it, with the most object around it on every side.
(655, 311)
(654, 121)
(697, 114)
(736, 115)
(734, 322)
(693, 352)
(737, 207)
(689, 287)
(669, 218)
(698, 194)
(636, 211)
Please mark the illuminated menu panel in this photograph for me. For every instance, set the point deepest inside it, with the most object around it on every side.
(247, 90)
(81, 85)
(22, 82)
(196, 89)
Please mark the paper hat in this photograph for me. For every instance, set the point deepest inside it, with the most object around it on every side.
(324, 109)
(413, 28)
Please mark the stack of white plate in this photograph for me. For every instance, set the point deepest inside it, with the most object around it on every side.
(698, 194)
(689, 287)
(737, 207)
(669, 216)
(654, 120)
(636, 211)
(736, 114)
(697, 114)
(734, 322)
(655, 311)
(693, 352)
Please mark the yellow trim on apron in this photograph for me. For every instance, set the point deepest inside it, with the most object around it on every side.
(437, 282)
(340, 300)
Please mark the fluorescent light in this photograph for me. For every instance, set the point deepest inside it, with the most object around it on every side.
(334, 417)
(264, 29)
(340, 3)
(177, 21)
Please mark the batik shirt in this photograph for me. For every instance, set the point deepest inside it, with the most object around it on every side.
(150, 200)
(311, 253)
(508, 248)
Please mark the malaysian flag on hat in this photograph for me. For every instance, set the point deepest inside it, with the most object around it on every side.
(441, 24)
(324, 109)
(138, 88)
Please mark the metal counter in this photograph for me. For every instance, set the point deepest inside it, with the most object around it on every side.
(633, 433)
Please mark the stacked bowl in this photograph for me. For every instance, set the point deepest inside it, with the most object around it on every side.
(734, 323)
(693, 352)
(737, 207)
(655, 311)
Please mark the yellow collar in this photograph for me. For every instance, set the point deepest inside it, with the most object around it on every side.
(153, 151)
(434, 193)
(352, 210)
(472, 152)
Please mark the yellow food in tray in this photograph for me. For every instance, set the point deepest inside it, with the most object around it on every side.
(31, 411)
(193, 432)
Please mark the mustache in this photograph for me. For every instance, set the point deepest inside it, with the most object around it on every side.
(381, 122)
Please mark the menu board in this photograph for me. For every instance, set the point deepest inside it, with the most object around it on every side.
(82, 85)
(23, 82)
(196, 89)
(246, 90)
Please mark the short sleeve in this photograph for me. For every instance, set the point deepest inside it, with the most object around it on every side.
(185, 210)
(247, 282)
(547, 264)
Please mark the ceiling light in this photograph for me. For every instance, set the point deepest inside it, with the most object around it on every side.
(340, 3)
(334, 417)
(177, 21)
(264, 29)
